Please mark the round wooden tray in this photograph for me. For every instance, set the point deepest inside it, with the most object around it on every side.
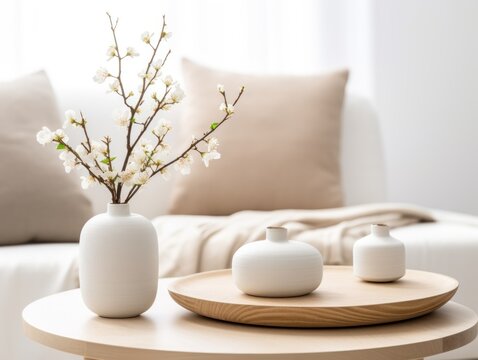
(341, 299)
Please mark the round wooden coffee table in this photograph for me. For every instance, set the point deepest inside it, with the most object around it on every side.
(167, 331)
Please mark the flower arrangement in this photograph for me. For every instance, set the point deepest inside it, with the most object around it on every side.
(144, 158)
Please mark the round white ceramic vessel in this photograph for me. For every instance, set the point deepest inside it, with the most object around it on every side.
(118, 263)
(379, 257)
(276, 267)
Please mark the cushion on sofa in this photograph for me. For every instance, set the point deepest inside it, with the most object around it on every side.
(280, 150)
(38, 201)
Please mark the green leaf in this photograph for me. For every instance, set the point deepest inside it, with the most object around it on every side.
(133, 120)
(107, 161)
(214, 125)
(60, 147)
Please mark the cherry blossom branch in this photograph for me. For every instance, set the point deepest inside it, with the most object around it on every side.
(113, 30)
(205, 135)
(83, 126)
(144, 89)
(141, 160)
(86, 166)
(150, 118)
(135, 188)
(193, 145)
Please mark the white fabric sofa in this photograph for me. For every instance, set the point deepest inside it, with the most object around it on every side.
(31, 271)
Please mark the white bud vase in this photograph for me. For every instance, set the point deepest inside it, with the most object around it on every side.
(276, 267)
(118, 263)
(379, 257)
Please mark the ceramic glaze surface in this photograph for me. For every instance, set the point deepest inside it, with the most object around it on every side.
(277, 267)
(379, 257)
(118, 263)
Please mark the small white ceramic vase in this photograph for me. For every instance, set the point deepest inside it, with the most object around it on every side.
(276, 267)
(118, 263)
(379, 257)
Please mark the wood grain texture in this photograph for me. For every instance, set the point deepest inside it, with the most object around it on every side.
(169, 332)
(341, 300)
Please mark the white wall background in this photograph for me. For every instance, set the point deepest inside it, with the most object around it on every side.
(416, 60)
(426, 91)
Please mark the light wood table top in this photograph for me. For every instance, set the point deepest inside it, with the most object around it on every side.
(167, 332)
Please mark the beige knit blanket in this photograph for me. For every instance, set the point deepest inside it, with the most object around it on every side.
(190, 244)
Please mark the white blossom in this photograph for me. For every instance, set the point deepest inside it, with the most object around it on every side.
(168, 80)
(183, 165)
(146, 37)
(212, 144)
(146, 144)
(141, 178)
(211, 153)
(148, 76)
(59, 135)
(122, 117)
(220, 88)
(177, 95)
(67, 155)
(101, 75)
(87, 181)
(166, 34)
(98, 148)
(69, 160)
(134, 166)
(44, 136)
(114, 86)
(227, 108)
(130, 51)
(126, 176)
(157, 64)
(110, 175)
(70, 118)
(139, 156)
(111, 52)
(163, 127)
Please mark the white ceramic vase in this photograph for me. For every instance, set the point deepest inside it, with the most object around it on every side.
(276, 267)
(379, 257)
(118, 263)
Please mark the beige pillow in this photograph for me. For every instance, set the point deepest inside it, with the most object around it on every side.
(38, 200)
(279, 151)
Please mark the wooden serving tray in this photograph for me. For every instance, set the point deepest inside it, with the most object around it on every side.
(341, 299)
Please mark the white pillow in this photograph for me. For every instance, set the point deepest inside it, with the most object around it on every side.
(38, 200)
(279, 151)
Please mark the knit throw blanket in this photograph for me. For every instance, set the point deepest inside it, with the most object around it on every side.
(190, 244)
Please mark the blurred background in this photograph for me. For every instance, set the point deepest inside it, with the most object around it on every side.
(416, 61)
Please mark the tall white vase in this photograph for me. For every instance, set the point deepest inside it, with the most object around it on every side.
(118, 263)
(379, 257)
